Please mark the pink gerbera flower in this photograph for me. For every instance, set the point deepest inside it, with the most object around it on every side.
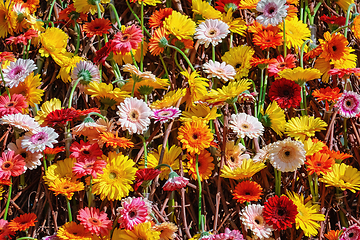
(12, 106)
(85, 151)
(166, 114)
(124, 41)
(220, 70)
(11, 165)
(94, 221)
(349, 104)
(89, 167)
(175, 182)
(133, 212)
(279, 64)
(228, 235)
(211, 31)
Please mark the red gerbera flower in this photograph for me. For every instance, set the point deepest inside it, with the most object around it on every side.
(224, 5)
(327, 94)
(145, 175)
(255, 61)
(7, 56)
(175, 182)
(286, 93)
(280, 212)
(103, 53)
(23, 38)
(5, 230)
(340, 21)
(69, 14)
(11, 164)
(124, 41)
(279, 64)
(268, 39)
(15, 105)
(85, 151)
(158, 17)
(23, 222)
(60, 116)
(99, 26)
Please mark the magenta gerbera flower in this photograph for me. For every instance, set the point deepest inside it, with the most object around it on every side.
(94, 221)
(166, 114)
(132, 212)
(349, 104)
(12, 106)
(85, 151)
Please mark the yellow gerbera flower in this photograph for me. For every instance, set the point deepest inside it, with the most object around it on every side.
(342, 176)
(46, 108)
(160, 83)
(197, 88)
(7, 19)
(170, 99)
(239, 57)
(348, 61)
(308, 215)
(65, 187)
(170, 158)
(142, 231)
(302, 127)
(179, 25)
(344, 4)
(199, 111)
(61, 169)
(237, 25)
(115, 182)
(29, 89)
(246, 169)
(54, 41)
(311, 147)
(73, 231)
(274, 117)
(205, 10)
(248, 4)
(323, 66)
(296, 32)
(84, 6)
(125, 59)
(68, 62)
(149, 2)
(300, 75)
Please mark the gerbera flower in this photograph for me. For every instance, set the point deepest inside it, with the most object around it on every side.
(85, 151)
(168, 230)
(89, 167)
(175, 182)
(139, 75)
(5, 231)
(134, 115)
(195, 136)
(87, 71)
(46, 108)
(246, 125)
(327, 94)
(274, 117)
(7, 56)
(144, 176)
(279, 212)
(300, 75)
(23, 222)
(225, 5)
(319, 163)
(158, 42)
(205, 165)
(11, 164)
(262, 63)
(94, 221)
(72, 231)
(349, 104)
(286, 93)
(211, 31)
(228, 235)
(334, 47)
(173, 21)
(303, 127)
(308, 215)
(333, 20)
(13, 106)
(296, 32)
(114, 183)
(356, 27)
(20, 121)
(166, 114)
(279, 63)
(351, 233)
(338, 156)
(273, 12)
(126, 40)
(239, 57)
(158, 17)
(69, 15)
(233, 154)
(54, 41)
(333, 235)
(61, 169)
(169, 99)
(113, 140)
(203, 10)
(313, 146)
(133, 211)
(66, 187)
(342, 176)
(98, 26)
(268, 39)
(8, 19)
(50, 153)
(32, 160)
(287, 155)
(17, 71)
(84, 6)
(247, 191)
(37, 142)
(60, 116)
(252, 218)
(197, 88)
(141, 231)
(222, 70)
(344, 72)
(246, 169)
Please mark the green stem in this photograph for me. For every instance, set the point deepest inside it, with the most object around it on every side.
(163, 165)
(304, 94)
(343, 220)
(171, 206)
(133, 58)
(97, 114)
(345, 133)
(278, 183)
(3, 80)
(73, 90)
(200, 189)
(261, 91)
(235, 108)
(177, 62)
(301, 10)
(90, 194)
(305, 14)
(137, 18)
(26, 238)
(44, 161)
(285, 48)
(316, 188)
(77, 29)
(116, 14)
(69, 209)
(214, 79)
(164, 65)
(28, 49)
(142, 40)
(133, 88)
(50, 11)
(302, 53)
(311, 185)
(348, 17)
(184, 56)
(8, 200)
(98, 8)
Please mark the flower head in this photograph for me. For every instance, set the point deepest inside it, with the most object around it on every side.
(158, 17)
(211, 31)
(349, 104)
(85, 151)
(89, 167)
(126, 40)
(327, 94)
(113, 140)
(351, 233)
(246, 125)
(252, 218)
(303, 127)
(17, 71)
(280, 63)
(141, 231)
(87, 71)
(296, 32)
(247, 191)
(176, 19)
(205, 165)
(166, 114)
(37, 142)
(23, 222)
(13, 106)
(175, 182)
(239, 57)
(319, 163)
(246, 169)
(334, 47)
(133, 211)
(286, 93)
(228, 235)
(32, 160)
(273, 12)
(11, 164)
(60, 116)
(222, 70)
(94, 221)
(144, 176)
(98, 26)
(66, 187)
(73, 231)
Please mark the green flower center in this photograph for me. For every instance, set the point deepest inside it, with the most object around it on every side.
(112, 175)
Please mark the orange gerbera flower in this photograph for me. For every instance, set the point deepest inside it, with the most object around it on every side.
(334, 47)
(313, 53)
(115, 141)
(291, 12)
(247, 191)
(319, 163)
(195, 136)
(255, 61)
(23, 222)
(205, 165)
(327, 94)
(268, 39)
(5, 182)
(98, 26)
(338, 156)
(356, 26)
(32, 5)
(158, 17)
(69, 14)
(65, 187)
(333, 235)
(158, 41)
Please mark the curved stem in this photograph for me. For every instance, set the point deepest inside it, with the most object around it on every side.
(3, 80)
(177, 63)
(163, 165)
(50, 11)
(137, 18)
(8, 200)
(116, 14)
(97, 114)
(69, 209)
(184, 56)
(235, 108)
(302, 53)
(77, 28)
(348, 17)
(164, 65)
(73, 90)
(200, 190)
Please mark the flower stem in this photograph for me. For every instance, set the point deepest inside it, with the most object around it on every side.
(133, 58)
(311, 184)
(163, 165)
(348, 17)
(77, 29)
(345, 133)
(343, 219)
(214, 79)
(277, 182)
(136, 16)
(285, 49)
(200, 190)
(316, 188)
(3, 80)
(261, 91)
(184, 56)
(8, 200)
(116, 14)
(69, 209)
(50, 11)
(133, 89)
(235, 108)
(90, 194)
(73, 90)
(97, 114)
(302, 53)
(28, 49)
(142, 40)
(44, 161)
(25, 238)
(177, 63)
(164, 65)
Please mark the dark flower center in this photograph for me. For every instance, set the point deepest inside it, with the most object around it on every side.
(334, 48)
(10, 104)
(24, 154)
(86, 152)
(125, 38)
(257, 221)
(351, 235)
(238, 65)
(7, 165)
(348, 103)
(247, 193)
(195, 136)
(271, 10)
(287, 153)
(97, 27)
(281, 212)
(286, 92)
(132, 214)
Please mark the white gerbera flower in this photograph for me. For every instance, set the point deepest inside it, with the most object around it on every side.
(32, 160)
(134, 115)
(251, 217)
(17, 71)
(45, 137)
(220, 70)
(211, 31)
(246, 125)
(20, 121)
(287, 155)
(273, 12)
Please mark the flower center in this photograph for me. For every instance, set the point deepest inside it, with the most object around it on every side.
(348, 103)
(112, 175)
(351, 235)
(133, 115)
(287, 153)
(9, 104)
(270, 10)
(88, 165)
(165, 114)
(23, 154)
(39, 138)
(96, 27)
(125, 38)
(7, 165)
(86, 152)
(238, 65)
(212, 33)
(281, 212)
(132, 214)
(245, 126)
(17, 71)
(95, 221)
(195, 136)
(247, 193)
(286, 92)
(334, 48)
